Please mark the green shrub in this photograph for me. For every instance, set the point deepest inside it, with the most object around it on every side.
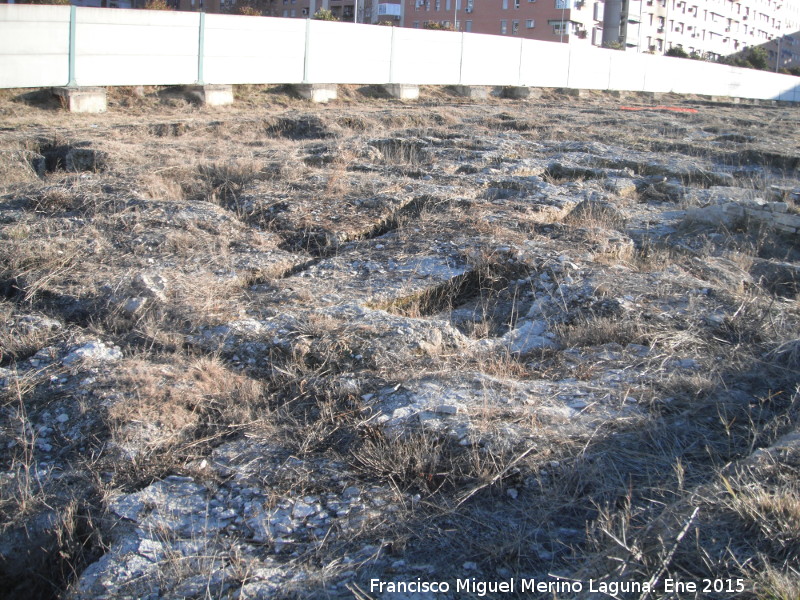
(157, 5)
(247, 11)
(324, 14)
(677, 52)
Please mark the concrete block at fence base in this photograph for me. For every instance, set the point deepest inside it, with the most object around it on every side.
(520, 92)
(82, 99)
(402, 91)
(475, 92)
(652, 95)
(316, 92)
(212, 95)
(574, 92)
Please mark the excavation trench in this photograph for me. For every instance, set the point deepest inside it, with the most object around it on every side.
(482, 286)
(51, 157)
(325, 243)
(741, 158)
(599, 168)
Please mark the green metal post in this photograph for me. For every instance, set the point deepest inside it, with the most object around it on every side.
(306, 56)
(461, 62)
(72, 30)
(201, 43)
(391, 59)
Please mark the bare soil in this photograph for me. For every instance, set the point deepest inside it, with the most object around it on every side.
(278, 350)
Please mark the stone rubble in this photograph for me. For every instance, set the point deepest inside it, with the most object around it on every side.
(485, 290)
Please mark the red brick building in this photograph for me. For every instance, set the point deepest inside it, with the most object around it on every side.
(567, 21)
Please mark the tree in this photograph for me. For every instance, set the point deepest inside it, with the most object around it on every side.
(323, 14)
(438, 26)
(677, 52)
(614, 45)
(757, 58)
(252, 8)
(247, 11)
(157, 5)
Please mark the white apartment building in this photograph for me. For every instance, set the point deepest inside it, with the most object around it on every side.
(710, 28)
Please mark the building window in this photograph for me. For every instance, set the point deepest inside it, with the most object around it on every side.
(530, 23)
(516, 3)
(293, 13)
(503, 27)
(467, 26)
(416, 24)
(447, 4)
(560, 27)
(505, 4)
(514, 27)
(562, 4)
(438, 5)
(285, 13)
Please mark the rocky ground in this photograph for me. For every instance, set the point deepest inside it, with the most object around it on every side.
(277, 350)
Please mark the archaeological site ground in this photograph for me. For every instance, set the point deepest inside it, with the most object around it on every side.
(279, 350)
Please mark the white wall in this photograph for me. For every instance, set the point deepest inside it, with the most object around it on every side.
(426, 57)
(347, 53)
(137, 47)
(490, 60)
(253, 49)
(34, 45)
(544, 64)
(589, 68)
(628, 70)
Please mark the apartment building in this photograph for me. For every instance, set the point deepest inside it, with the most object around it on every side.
(567, 21)
(360, 11)
(784, 50)
(709, 28)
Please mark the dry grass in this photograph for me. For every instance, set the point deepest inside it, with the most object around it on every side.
(234, 208)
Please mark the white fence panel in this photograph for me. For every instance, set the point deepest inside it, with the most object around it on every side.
(697, 77)
(490, 60)
(629, 71)
(348, 53)
(34, 45)
(136, 47)
(661, 73)
(140, 47)
(749, 83)
(544, 64)
(253, 49)
(426, 57)
(589, 68)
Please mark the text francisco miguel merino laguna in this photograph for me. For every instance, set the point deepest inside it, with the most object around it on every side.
(508, 586)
